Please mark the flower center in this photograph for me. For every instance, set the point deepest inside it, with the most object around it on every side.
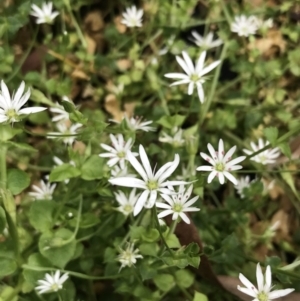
(194, 77)
(262, 296)
(262, 158)
(177, 208)
(121, 154)
(152, 185)
(220, 166)
(127, 208)
(12, 114)
(55, 287)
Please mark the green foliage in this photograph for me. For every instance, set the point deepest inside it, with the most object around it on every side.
(64, 172)
(41, 215)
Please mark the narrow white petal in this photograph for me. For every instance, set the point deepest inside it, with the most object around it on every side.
(128, 182)
(280, 293)
(140, 202)
(145, 161)
(137, 166)
(211, 176)
(31, 110)
(259, 278)
(209, 68)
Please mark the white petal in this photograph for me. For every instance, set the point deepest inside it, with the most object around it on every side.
(176, 75)
(268, 277)
(259, 278)
(209, 68)
(280, 293)
(137, 166)
(140, 202)
(145, 161)
(230, 177)
(200, 63)
(31, 110)
(248, 284)
(204, 168)
(211, 176)
(128, 182)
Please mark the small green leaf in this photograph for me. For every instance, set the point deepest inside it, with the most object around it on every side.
(199, 297)
(39, 97)
(170, 122)
(41, 215)
(7, 266)
(271, 133)
(150, 235)
(92, 168)
(286, 150)
(172, 241)
(164, 282)
(7, 132)
(64, 172)
(17, 181)
(21, 146)
(53, 246)
(184, 278)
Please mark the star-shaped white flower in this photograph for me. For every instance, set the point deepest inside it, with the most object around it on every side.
(44, 14)
(52, 283)
(43, 192)
(66, 133)
(206, 42)
(264, 286)
(178, 204)
(128, 256)
(267, 156)
(176, 139)
(244, 26)
(263, 25)
(136, 123)
(242, 182)
(10, 107)
(126, 203)
(132, 17)
(118, 152)
(221, 163)
(152, 183)
(61, 113)
(194, 74)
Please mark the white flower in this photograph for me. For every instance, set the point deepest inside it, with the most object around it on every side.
(136, 123)
(67, 133)
(265, 157)
(10, 108)
(242, 183)
(263, 25)
(244, 26)
(118, 153)
(44, 14)
(129, 256)
(194, 74)
(176, 140)
(206, 42)
(132, 17)
(221, 163)
(126, 203)
(152, 183)
(52, 283)
(264, 286)
(62, 114)
(117, 171)
(178, 204)
(43, 192)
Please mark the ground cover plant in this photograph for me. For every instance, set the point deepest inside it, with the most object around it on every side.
(149, 150)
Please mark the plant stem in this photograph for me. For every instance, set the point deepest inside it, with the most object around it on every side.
(172, 228)
(3, 175)
(207, 103)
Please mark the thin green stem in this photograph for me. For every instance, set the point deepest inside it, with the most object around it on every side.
(24, 57)
(163, 102)
(172, 228)
(208, 102)
(3, 172)
(226, 12)
(75, 274)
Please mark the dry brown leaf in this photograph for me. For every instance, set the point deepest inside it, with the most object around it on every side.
(79, 146)
(77, 73)
(94, 21)
(283, 228)
(124, 64)
(121, 28)
(112, 106)
(269, 44)
(91, 44)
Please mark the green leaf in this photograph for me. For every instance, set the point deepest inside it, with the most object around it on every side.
(75, 115)
(39, 97)
(21, 146)
(53, 246)
(172, 240)
(164, 282)
(147, 271)
(64, 172)
(2, 219)
(136, 232)
(7, 132)
(41, 215)
(17, 181)
(286, 150)
(199, 297)
(87, 220)
(170, 122)
(271, 133)
(148, 249)
(92, 168)
(150, 235)
(184, 278)
(7, 293)
(35, 260)
(7, 266)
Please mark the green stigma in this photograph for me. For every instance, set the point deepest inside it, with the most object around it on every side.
(152, 185)
(262, 296)
(121, 154)
(220, 166)
(194, 77)
(177, 208)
